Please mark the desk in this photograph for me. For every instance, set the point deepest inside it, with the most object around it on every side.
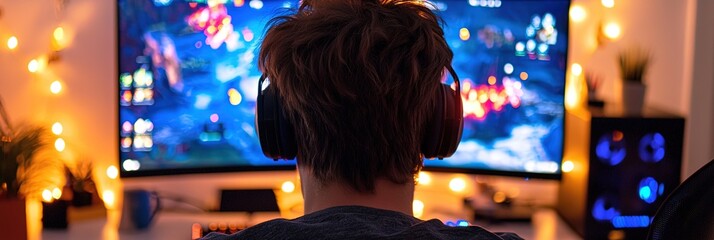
(546, 225)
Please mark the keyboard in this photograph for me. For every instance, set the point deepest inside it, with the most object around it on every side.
(199, 230)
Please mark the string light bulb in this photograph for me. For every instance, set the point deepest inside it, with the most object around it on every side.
(33, 66)
(288, 187)
(12, 43)
(47, 196)
(58, 40)
(60, 144)
(112, 172)
(424, 178)
(58, 34)
(457, 184)
(57, 128)
(576, 69)
(56, 87)
(418, 208)
(56, 193)
(608, 3)
(568, 166)
(612, 31)
(577, 13)
(109, 198)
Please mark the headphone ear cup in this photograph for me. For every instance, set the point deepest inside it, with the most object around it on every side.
(287, 144)
(443, 130)
(453, 122)
(275, 133)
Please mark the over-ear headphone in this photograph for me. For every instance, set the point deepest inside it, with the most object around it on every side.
(442, 132)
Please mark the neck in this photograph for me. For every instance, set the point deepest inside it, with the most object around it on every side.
(387, 195)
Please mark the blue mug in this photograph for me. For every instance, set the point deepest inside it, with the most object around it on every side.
(139, 209)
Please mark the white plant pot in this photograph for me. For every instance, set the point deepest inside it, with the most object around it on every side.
(633, 97)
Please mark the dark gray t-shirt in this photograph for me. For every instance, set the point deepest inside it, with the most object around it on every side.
(357, 222)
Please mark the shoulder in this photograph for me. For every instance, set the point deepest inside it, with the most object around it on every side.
(359, 223)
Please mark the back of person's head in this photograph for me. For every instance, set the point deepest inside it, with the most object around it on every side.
(358, 80)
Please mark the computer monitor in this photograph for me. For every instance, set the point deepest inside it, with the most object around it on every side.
(511, 57)
(188, 82)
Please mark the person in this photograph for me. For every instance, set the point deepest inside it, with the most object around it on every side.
(358, 80)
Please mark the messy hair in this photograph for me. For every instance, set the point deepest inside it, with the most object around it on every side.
(358, 81)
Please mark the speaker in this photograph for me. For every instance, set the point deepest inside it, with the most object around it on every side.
(617, 171)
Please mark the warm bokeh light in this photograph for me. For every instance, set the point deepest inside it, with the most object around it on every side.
(571, 96)
(464, 34)
(577, 13)
(576, 69)
(524, 76)
(33, 66)
(12, 43)
(492, 80)
(58, 34)
(612, 31)
(608, 3)
(288, 187)
(47, 195)
(56, 193)
(499, 197)
(424, 178)
(112, 172)
(59, 144)
(568, 166)
(108, 197)
(457, 184)
(57, 128)
(56, 87)
(418, 208)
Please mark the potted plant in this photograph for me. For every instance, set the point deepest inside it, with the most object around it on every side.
(633, 64)
(83, 188)
(27, 165)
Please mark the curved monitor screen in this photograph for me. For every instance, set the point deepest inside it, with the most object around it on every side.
(188, 82)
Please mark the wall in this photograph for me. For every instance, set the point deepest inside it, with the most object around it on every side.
(700, 131)
(86, 106)
(656, 25)
(679, 36)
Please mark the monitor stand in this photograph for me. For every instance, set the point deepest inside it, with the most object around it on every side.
(248, 200)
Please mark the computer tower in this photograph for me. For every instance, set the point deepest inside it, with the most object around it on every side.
(623, 168)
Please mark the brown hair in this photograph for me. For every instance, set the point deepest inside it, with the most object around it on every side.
(358, 80)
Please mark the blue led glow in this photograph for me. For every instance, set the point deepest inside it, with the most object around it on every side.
(652, 148)
(648, 189)
(457, 223)
(631, 221)
(645, 192)
(462, 223)
(601, 213)
(661, 189)
(609, 151)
